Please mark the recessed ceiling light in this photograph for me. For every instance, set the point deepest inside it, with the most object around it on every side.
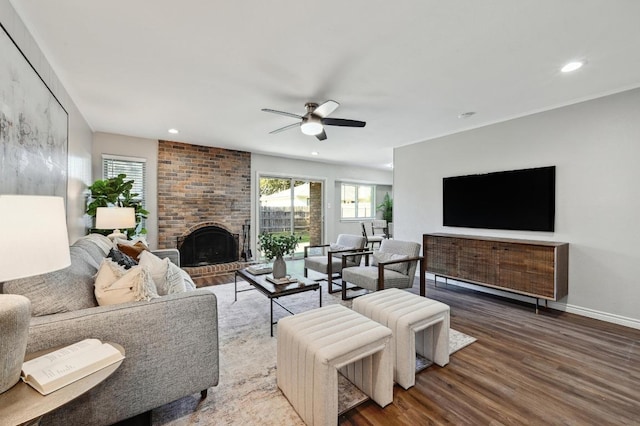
(173, 131)
(315, 153)
(466, 114)
(572, 66)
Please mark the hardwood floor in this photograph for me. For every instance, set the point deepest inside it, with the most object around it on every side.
(525, 369)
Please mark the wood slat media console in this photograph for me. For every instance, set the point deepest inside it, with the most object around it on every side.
(538, 269)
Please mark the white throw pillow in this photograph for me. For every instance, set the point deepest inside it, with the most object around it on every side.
(379, 256)
(167, 276)
(158, 269)
(114, 284)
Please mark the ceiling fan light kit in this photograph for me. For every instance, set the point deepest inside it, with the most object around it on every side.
(313, 122)
(311, 126)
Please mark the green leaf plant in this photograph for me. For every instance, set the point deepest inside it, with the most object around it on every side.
(116, 192)
(386, 207)
(274, 245)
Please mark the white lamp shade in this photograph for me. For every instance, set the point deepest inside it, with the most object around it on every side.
(33, 230)
(115, 218)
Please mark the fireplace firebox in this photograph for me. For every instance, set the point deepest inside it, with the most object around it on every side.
(209, 245)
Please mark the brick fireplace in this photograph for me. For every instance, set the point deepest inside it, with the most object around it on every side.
(202, 186)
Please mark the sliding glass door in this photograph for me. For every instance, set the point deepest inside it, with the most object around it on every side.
(291, 205)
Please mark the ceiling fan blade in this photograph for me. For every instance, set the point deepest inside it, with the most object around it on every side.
(282, 129)
(326, 108)
(275, 111)
(343, 122)
(321, 136)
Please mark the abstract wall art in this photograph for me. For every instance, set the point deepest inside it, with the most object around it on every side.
(33, 128)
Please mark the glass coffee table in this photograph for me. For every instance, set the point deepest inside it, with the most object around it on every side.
(274, 291)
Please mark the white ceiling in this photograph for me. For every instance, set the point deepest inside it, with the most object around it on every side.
(407, 67)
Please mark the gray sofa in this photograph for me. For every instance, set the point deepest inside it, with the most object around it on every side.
(171, 342)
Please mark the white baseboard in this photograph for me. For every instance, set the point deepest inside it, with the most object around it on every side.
(599, 315)
(573, 309)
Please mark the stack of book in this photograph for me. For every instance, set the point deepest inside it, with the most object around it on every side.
(262, 268)
(283, 280)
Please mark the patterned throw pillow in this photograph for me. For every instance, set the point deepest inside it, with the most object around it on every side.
(379, 256)
(121, 258)
(168, 277)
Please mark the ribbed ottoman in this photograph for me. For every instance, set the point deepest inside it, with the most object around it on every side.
(418, 324)
(313, 345)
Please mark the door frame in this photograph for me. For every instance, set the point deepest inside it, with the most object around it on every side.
(277, 175)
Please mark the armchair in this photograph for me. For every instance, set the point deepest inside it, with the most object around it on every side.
(395, 266)
(370, 239)
(331, 261)
(380, 227)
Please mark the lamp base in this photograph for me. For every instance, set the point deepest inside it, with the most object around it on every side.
(117, 234)
(15, 314)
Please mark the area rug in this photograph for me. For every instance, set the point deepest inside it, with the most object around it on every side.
(247, 392)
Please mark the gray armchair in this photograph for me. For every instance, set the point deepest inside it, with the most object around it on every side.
(330, 262)
(394, 266)
(371, 239)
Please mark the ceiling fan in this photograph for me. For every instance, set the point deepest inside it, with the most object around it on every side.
(313, 122)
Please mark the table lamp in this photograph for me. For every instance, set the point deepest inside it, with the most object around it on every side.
(115, 218)
(34, 241)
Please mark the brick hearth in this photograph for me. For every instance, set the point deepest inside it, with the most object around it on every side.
(199, 184)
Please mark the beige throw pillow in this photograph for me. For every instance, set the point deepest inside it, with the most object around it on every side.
(114, 284)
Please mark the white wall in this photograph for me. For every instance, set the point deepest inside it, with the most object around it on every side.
(79, 145)
(329, 174)
(129, 146)
(595, 147)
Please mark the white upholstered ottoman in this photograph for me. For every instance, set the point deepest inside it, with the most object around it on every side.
(418, 324)
(313, 345)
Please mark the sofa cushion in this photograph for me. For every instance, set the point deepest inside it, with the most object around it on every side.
(94, 245)
(65, 290)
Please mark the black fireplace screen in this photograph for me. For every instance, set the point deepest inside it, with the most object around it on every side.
(208, 246)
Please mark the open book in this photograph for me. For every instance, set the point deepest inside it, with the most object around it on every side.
(57, 369)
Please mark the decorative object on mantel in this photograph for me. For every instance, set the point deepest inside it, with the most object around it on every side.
(116, 192)
(36, 225)
(275, 246)
(115, 218)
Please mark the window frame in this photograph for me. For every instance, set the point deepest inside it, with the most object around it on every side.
(371, 206)
(140, 189)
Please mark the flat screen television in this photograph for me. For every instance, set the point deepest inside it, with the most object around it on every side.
(515, 200)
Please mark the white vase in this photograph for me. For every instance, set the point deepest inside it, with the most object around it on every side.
(279, 268)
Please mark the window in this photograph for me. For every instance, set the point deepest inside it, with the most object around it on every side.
(357, 201)
(134, 168)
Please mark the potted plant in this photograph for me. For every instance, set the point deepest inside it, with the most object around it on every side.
(116, 191)
(275, 246)
(386, 207)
